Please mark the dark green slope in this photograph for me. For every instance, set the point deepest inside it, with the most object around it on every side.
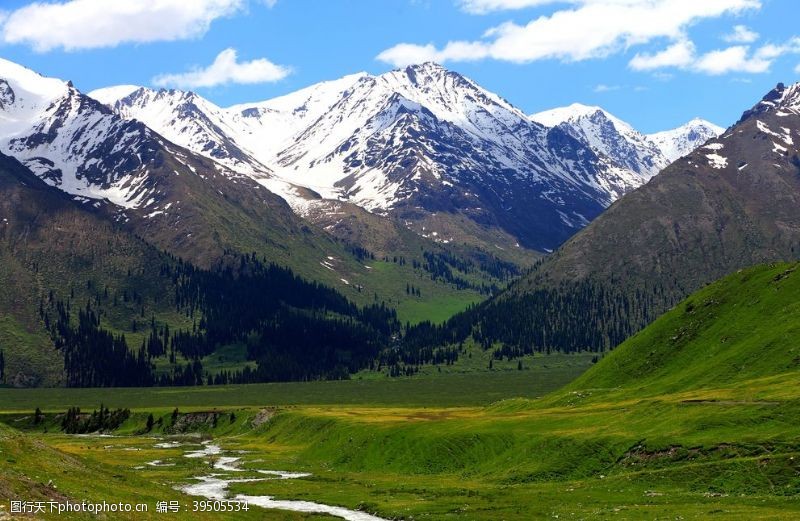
(732, 203)
(740, 328)
(49, 244)
(86, 303)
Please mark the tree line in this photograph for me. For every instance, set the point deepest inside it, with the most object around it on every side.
(293, 329)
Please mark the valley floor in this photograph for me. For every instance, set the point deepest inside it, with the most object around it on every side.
(729, 453)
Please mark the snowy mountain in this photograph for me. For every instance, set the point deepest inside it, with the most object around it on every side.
(173, 197)
(609, 136)
(679, 142)
(642, 156)
(184, 118)
(424, 145)
(72, 141)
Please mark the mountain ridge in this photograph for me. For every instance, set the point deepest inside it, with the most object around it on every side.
(178, 200)
(642, 154)
(399, 144)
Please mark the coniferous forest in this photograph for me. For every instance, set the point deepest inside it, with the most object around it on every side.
(293, 329)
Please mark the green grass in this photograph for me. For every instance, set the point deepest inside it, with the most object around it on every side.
(35, 361)
(741, 328)
(445, 390)
(436, 308)
(695, 418)
(438, 301)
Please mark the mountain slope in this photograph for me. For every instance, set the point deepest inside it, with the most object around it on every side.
(86, 303)
(194, 206)
(124, 168)
(50, 248)
(730, 204)
(422, 145)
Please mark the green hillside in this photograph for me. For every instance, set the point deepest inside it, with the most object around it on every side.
(50, 249)
(86, 303)
(741, 328)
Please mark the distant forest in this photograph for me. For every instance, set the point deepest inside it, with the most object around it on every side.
(294, 329)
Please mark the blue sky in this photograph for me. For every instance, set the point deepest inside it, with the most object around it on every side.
(654, 63)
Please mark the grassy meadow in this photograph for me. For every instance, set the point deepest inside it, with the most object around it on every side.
(693, 418)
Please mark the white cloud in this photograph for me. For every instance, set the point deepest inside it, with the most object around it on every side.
(797, 69)
(602, 87)
(406, 53)
(736, 58)
(89, 24)
(741, 34)
(588, 29)
(486, 6)
(679, 54)
(225, 69)
(732, 59)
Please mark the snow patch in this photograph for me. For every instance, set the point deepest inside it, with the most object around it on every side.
(717, 161)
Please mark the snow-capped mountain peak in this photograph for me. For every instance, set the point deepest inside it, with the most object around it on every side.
(187, 119)
(555, 116)
(72, 141)
(86, 149)
(452, 97)
(23, 94)
(110, 95)
(31, 84)
(680, 141)
(607, 135)
(421, 139)
(783, 100)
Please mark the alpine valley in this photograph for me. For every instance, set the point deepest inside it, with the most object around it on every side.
(415, 194)
(394, 297)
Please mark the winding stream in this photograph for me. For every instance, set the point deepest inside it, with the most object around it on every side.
(215, 487)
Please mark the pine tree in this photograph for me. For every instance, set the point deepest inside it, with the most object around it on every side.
(150, 422)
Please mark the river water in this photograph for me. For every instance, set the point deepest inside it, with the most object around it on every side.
(215, 487)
